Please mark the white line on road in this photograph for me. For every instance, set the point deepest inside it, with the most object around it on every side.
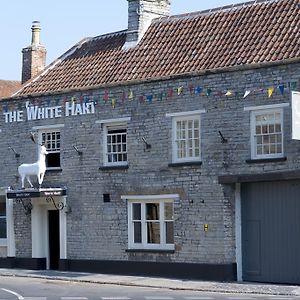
(14, 293)
(240, 298)
(115, 298)
(198, 298)
(280, 298)
(74, 298)
(35, 298)
(158, 298)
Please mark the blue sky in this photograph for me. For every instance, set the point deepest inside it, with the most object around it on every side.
(65, 22)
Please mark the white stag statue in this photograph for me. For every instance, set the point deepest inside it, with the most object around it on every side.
(38, 168)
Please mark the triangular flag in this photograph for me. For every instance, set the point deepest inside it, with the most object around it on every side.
(130, 95)
(105, 96)
(198, 90)
(150, 98)
(141, 99)
(160, 96)
(123, 97)
(208, 92)
(293, 86)
(113, 103)
(169, 92)
(281, 89)
(270, 91)
(228, 93)
(179, 90)
(247, 93)
(191, 88)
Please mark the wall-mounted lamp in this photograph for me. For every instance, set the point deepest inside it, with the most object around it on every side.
(14, 151)
(223, 140)
(148, 146)
(78, 151)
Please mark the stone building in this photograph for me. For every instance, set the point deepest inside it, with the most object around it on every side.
(170, 149)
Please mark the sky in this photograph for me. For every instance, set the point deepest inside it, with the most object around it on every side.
(66, 22)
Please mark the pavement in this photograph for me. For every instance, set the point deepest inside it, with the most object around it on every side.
(157, 282)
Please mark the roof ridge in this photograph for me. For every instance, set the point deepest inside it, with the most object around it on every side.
(214, 10)
(109, 34)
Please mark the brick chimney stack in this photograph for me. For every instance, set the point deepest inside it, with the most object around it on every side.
(34, 56)
(140, 15)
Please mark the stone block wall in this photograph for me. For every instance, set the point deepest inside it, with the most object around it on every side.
(98, 230)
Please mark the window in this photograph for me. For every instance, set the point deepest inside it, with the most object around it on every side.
(51, 139)
(267, 133)
(2, 217)
(115, 144)
(151, 222)
(186, 138)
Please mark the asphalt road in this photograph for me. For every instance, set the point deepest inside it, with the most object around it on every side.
(41, 289)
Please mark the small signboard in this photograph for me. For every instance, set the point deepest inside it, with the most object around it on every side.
(22, 194)
(296, 115)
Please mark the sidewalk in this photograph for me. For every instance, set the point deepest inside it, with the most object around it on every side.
(155, 282)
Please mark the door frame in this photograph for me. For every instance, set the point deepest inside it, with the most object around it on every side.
(40, 228)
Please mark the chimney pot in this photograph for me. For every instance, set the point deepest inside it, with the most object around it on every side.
(36, 29)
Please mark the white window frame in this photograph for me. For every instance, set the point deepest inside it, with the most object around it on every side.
(143, 200)
(121, 123)
(3, 241)
(47, 129)
(185, 116)
(253, 115)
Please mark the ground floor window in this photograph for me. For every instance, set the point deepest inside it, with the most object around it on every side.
(2, 217)
(151, 222)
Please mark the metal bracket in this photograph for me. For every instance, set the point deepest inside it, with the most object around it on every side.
(59, 206)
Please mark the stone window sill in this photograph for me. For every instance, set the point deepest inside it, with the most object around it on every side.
(53, 170)
(150, 251)
(265, 160)
(185, 164)
(104, 168)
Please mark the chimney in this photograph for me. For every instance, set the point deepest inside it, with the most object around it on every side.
(140, 15)
(34, 56)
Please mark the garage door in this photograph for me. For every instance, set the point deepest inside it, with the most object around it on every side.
(271, 231)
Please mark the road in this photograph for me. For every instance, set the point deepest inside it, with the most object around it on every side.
(41, 289)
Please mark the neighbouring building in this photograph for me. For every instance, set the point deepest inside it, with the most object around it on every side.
(170, 149)
(8, 87)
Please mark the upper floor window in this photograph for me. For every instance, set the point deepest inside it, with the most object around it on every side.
(116, 145)
(186, 136)
(51, 140)
(50, 137)
(267, 133)
(2, 217)
(115, 141)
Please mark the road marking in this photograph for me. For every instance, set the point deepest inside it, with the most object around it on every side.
(74, 298)
(35, 298)
(280, 298)
(14, 293)
(199, 298)
(241, 298)
(115, 298)
(158, 298)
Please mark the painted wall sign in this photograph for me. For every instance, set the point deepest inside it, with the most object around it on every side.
(39, 113)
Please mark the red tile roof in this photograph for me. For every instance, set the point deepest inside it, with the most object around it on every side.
(246, 34)
(8, 87)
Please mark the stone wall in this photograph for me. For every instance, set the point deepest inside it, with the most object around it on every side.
(98, 230)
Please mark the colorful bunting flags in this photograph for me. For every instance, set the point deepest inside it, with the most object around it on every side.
(166, 93)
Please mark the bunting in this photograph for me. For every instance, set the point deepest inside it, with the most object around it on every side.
(167, 93)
